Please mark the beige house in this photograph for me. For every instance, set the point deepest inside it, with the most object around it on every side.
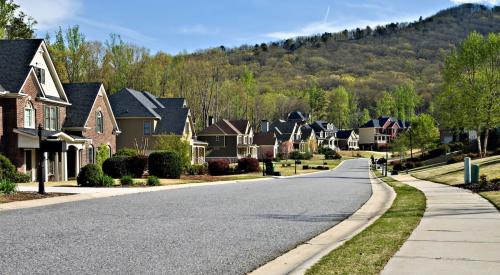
(142, 118)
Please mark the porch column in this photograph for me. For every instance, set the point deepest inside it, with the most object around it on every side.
(46, 167)
(77, 162)
(64, 159)
(56, 167)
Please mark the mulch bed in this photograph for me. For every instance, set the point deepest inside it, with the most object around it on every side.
(201, 178)
(24, 196)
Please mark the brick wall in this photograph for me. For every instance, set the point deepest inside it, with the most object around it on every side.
(107, 138)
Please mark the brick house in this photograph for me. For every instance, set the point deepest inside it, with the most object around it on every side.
(31, 94)
(380, 132)
(90, 117)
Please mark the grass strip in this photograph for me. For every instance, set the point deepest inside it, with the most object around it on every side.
(369, 251)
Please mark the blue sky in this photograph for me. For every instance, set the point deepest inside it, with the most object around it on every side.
(172, 26)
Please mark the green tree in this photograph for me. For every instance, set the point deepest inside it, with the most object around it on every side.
(406, 101)
(318, 102)
(424, 132)
(15, 24)
(174, 143)
(386, 105)
(470, 98)
(102, 154)
(401, 144)
(339, 107)
(365, 117)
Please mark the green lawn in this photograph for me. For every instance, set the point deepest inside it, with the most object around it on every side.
(453, 174)
(317, 160)
(369, 251)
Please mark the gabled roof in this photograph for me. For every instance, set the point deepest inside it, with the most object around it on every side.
(306, 133)
(221, 127)
(15, 59)
(296, 116)
(173, 121)
(83, 96)
(132, 103)
(381, 121)
(264, 138)
(284, 127)
(175, 102)
(343, 134)
(242, 125)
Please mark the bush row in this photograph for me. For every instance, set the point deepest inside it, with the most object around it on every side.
(9, 172)
(119, 166)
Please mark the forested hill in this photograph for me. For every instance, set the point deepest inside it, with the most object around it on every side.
(368, 61)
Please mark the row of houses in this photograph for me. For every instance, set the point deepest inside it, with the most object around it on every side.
(78, 119)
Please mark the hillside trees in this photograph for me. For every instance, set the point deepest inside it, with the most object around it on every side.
(470, 98)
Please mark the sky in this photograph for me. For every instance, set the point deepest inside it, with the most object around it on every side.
(173, 26)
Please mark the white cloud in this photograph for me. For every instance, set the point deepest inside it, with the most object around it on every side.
(50, 13)
(114, 28)
(491, 2)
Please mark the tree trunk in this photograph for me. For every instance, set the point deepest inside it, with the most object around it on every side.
(485, 143)
(480, 151)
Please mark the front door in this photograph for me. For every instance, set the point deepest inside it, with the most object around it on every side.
(71, 161)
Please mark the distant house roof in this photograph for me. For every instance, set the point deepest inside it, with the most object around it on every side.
(306, 133)
(343, 134)
(284, 127)
(223, 127)
(82, 95)
(380, 121)
(321, 125)
(296, 116)
(171, 112)
(15, 59)
(241, 125)
(264, 138)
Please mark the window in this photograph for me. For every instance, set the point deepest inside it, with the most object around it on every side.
(51, 118)
(90, 156)
(217, 138)
(99, 122)
(29, 116)
(147, 128)
(40, 74)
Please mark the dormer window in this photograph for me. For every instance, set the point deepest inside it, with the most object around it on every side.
(29, 116)
(99, 122)
(40, 74)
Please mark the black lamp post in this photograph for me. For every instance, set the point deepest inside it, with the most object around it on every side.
(411, 146)
(41, 160)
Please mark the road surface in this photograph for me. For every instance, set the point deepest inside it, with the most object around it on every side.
(220, 229)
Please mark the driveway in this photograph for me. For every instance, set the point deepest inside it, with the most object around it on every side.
(220, 229)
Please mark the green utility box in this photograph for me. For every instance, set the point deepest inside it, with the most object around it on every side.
(475, 173)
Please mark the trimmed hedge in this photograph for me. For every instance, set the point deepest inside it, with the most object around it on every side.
(126, 152)
(248, 165)
(136, 165)
(197, 169)
(106, 181)
(90, 175)
(115, 167)
(218, 167)
(165, 165)
(7, 186)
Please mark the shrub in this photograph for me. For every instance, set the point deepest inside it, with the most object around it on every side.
(456, 146)
(7, 169)
(90, 175)
(116, 167)
(102, 154)
(197, 169)
(451, 161)
(305, 167)
(218, 167)
(106, 181)
(248, 165)
(410, 165)
(20, 177)
(165, 165)
(126, 152)
(153, 181)
(7, 186)
(295, 155)
(397, 166)
(136, 165)
(307, 156)
(126, 180)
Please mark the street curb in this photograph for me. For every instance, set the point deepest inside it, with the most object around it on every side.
(112, 192)
(301, 258)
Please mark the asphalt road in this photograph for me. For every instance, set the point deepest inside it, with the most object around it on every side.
(220, 229)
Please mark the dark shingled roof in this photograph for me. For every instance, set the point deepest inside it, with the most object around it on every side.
(380, 121)
(296, 116)
(132, 103)
(175, 102)
(284, 127)
(264, 138)
(173, 121)
(343, 134)
(171, 114)
(221, 127)
(241, 125)
(82, 97)
(15, 58)
(306, 133)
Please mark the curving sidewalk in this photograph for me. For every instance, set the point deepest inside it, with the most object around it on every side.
(459, 234)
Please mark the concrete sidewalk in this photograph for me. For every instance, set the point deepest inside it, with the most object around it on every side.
(459, 234)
